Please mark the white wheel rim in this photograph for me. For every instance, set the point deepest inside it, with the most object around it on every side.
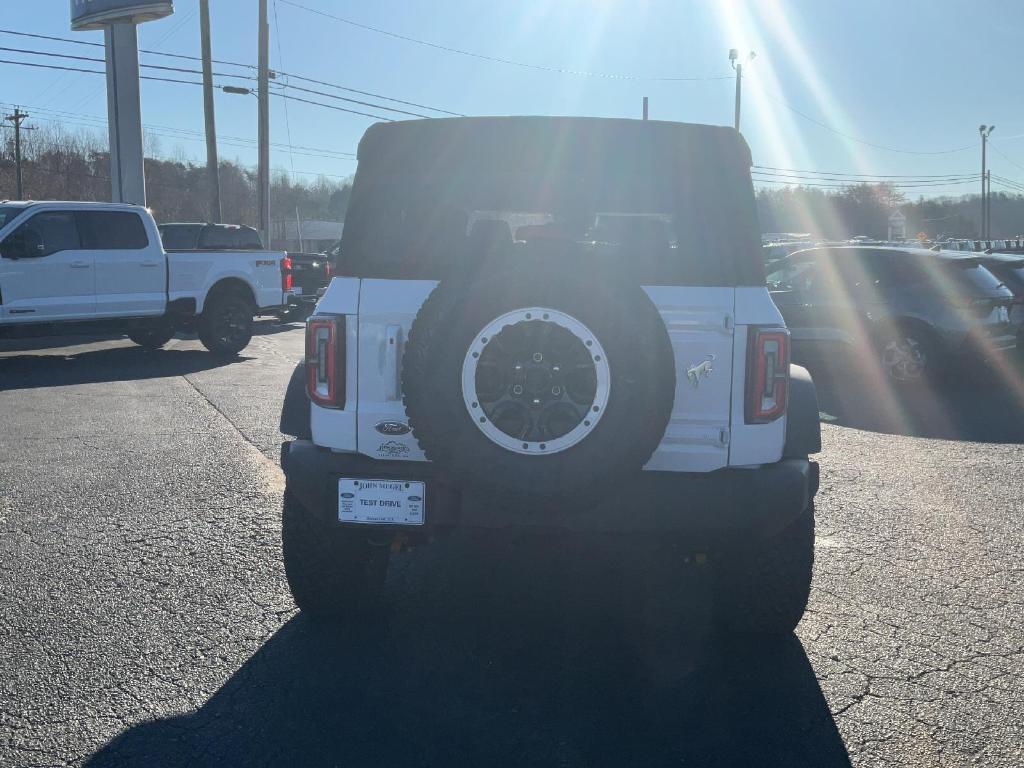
(591, 412)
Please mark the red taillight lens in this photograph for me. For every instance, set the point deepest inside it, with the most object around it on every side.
(287, 281)
(325, 361)
(328, 270)
(767, 374)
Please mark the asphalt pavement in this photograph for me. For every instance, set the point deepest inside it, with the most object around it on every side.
(145, 619)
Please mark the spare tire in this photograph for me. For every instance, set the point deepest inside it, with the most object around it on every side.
(543, 381)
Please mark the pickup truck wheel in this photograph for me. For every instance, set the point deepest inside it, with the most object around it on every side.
(225, 326)
(764, 589)
(152, 337)
(334, 572)
(544, 382)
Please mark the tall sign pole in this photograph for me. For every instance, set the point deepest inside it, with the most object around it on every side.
(212, 168)
(124, 115)
(263, 136)
(118, 19)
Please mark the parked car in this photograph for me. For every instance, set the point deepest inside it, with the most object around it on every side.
(903, 311)
(1009, 269)
(471, 367)
(310, 273)
(101, 267)
(210, 237)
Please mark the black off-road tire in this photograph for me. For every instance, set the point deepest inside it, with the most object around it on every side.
(764, 589)
(335, 572)
(226, 324)
(640, 360)
(152, 337)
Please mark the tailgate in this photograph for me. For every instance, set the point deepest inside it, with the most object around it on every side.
(699, 322)
(387, 309)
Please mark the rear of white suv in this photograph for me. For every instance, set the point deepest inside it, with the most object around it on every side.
(547, 337)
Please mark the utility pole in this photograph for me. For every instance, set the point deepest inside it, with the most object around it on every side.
(985, 131)
(988, 205)
(645, 107)
(16, 118)
(212, 168)
(264, 124)
(737, 64)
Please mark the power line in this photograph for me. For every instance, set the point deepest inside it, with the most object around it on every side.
(94, 121)
(239, 64)
(912, 185)
(862, 175)
(280, 61)
(223, 74)
(1007, 183)
(898, 182)
(103, 61)
(331, 106)
(372, 95)
(92, 71)
(1004, 156)
(849, 137)
(351, 101)
(497, 59)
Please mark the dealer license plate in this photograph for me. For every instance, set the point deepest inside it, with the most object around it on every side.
(381, 502)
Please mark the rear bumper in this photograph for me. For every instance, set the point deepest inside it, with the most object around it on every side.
(747, 503)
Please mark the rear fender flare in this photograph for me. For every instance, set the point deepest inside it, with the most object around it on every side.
(803, 427)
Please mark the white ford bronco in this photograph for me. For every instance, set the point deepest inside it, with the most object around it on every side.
(551, 322)
(69, 267)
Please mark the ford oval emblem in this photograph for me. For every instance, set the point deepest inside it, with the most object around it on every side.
(415, 498)
(348, 495)
(393, 428)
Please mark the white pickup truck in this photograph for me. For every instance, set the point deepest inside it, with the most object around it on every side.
(101, 267)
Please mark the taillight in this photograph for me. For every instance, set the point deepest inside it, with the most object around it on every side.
(328, 270)
(767, 374)
(287, 282)
(325, 361)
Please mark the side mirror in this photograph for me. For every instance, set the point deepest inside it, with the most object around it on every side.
(22, 244)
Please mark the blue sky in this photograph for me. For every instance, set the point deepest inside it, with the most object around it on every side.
(908, 75)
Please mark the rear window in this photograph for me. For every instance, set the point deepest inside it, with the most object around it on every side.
(1011, 273)
(112, 231)
(178, 237)
(229, 238)
(8, 212)
(946, 277)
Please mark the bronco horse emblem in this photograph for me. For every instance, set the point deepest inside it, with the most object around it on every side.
(700, 370)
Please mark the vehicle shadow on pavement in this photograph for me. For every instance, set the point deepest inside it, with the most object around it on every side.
(109, 364)
(975, 408)
(519, 678)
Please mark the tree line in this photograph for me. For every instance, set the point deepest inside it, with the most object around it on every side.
(58, 164)
(864, 209)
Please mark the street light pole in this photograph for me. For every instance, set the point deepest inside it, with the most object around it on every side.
(985, 131)
(263, 132)
(737, 65)
(988, 205)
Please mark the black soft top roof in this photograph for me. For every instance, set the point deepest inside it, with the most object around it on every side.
(700, 174)
(402, 141)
